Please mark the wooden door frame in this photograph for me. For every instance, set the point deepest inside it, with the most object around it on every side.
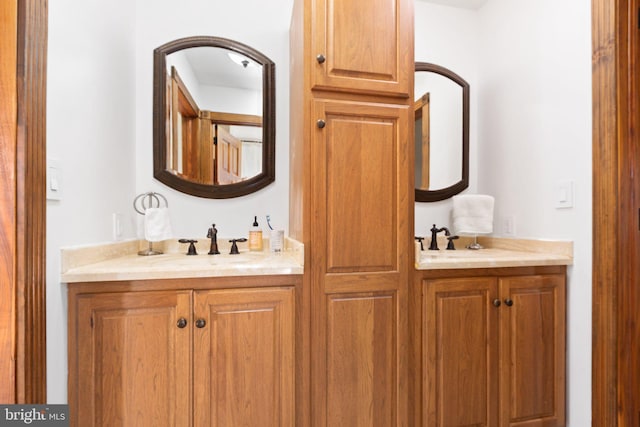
(615, 218)
(23, 170)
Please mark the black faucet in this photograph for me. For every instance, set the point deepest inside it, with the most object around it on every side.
(434, 236)
(213, 234)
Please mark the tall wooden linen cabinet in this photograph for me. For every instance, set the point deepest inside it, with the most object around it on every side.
(351, 203)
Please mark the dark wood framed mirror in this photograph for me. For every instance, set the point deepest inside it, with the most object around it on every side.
(441, 133)
(213, 117)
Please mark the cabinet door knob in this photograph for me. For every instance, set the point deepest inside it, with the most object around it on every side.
(496, 302)
(182, 322)
(321, 123)
(320, 58)
(509, 302)
(200, 323)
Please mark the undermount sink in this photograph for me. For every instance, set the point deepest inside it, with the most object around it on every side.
(241, 258)
(458, 253)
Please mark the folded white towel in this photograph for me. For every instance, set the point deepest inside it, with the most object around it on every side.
(473, 214)
(157, 226)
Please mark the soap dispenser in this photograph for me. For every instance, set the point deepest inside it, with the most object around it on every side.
(255, 236)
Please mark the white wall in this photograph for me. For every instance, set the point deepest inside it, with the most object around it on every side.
(534, 132)
(91, 132)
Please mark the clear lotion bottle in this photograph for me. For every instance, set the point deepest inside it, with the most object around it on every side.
(255, 236)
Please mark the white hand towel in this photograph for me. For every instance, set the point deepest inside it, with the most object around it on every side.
(473, 214)
(157, 226)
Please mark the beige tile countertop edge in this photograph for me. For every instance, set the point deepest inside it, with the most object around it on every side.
(497, 252)
(119, 261)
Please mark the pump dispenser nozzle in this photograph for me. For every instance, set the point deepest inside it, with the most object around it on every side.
(255, 236)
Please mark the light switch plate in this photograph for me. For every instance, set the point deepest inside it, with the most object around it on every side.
(509, 226)
(564, 194)
(117, 221)
(54, 180)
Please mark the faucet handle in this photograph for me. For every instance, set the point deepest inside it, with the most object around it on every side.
(234, 247)
(192, 246)
(450, 240)
(420, 239)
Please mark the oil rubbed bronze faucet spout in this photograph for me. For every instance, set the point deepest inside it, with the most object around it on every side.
(434, 236)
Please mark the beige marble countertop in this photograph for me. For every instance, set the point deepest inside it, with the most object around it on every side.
(497, 252)
(120, 261)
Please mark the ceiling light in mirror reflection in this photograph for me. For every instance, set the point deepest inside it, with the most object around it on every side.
(216, 82)
(241, 60)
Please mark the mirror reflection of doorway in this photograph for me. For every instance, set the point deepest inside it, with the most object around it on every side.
(209, 147)
(422, 138)
(229, 156)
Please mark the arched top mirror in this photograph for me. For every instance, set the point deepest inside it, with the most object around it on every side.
(213, 117)
(441, 133)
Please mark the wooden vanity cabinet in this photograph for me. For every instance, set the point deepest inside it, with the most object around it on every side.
(181, 357)
(493, 348)
(351, 204)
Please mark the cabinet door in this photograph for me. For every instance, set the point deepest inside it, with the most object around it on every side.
(532, 331)
(459, 353)
(244, 358)
(359, 264)
(367, 45)
(133, 360)
(360, 173)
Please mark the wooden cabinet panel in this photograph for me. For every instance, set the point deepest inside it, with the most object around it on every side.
(362, 360)
(360, 203)
(244, 358)
(532, 332)
(365, 44)
(133, 361)
(460, 353)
